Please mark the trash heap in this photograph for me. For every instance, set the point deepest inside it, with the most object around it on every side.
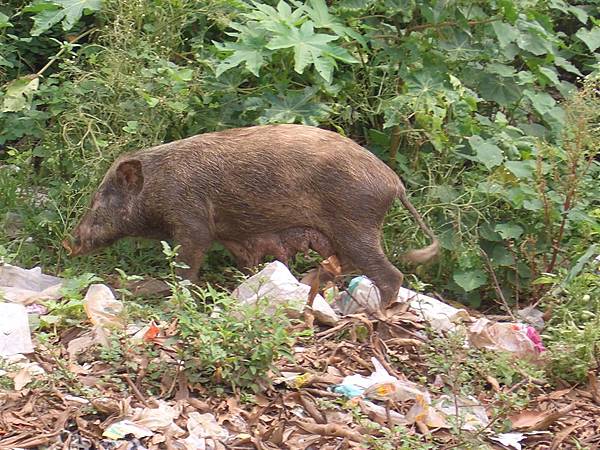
(384, 395)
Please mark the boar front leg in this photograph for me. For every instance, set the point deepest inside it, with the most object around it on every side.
(193, 247)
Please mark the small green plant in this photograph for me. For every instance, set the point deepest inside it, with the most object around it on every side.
(68, 310)
(399, 438)
(222, 342)
(572, 335)
(467, 371)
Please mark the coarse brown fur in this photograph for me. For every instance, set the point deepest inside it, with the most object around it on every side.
(274, 189)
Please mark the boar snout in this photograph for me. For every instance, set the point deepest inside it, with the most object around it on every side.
(73, 245)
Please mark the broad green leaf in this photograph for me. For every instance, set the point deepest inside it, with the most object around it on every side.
(566, 65)
(311, 48)
(505, 33)
(19, 93)
(470, 280)
(253, 60)
(521, 169)
(550, 74)
(249, 49)
(278, 21)
(542, 102)
(509, 230)
(490, 187)
(555, 118)
(4, 21)
(590, 37)
(502, 90)
(504, 70)
(533, 204)
(318, 12)
(66, 11)
(490, 155)
(355, 5)
(580, 264)
(5, 62)
(530, 39)
(501, 256)
(295, 106)
(580, 13)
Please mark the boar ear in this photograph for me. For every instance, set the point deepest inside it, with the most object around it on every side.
(130, 176)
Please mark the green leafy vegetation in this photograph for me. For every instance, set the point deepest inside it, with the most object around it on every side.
(480, 106)
(222, 341)
(489, 110)
(219, 343)
(573, 334)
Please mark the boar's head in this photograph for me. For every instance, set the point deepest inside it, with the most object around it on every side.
(113, 211)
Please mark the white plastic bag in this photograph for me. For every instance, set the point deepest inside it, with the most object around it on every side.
(277, 284)
(28, 286)
(15, 336)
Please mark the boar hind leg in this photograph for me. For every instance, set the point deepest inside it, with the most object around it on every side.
(363, 252)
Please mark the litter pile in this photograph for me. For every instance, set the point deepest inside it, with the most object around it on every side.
(347, 366)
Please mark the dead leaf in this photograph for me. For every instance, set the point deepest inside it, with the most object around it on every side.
(331, 429)
(538, 420)
(593, 386)
(22, 378)
(562, 435)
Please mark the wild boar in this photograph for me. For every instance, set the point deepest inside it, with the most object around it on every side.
(263, 189)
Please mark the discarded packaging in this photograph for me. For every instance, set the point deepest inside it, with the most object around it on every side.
(513, 440)
(521, 340)
(276, 283)
(102, 308)
(323, 312)
(472, 416)
(355, 385)
(422, 411)
(119, 430)
(15, 336)
(205, 426)
(158, 418)
(146, 421)
(362, 293)
(398, 391)
(510, 440)
(27, 286)
(439, 315)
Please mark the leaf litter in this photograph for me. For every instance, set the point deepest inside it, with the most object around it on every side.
(345, 385)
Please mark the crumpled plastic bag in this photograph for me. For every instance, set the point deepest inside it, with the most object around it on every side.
(441, 316)
(355, 385)
(27, 286)
(362, 293)
(15, 336)
(276, 283)
(521, 340)
(423, 411)
(397, 390)
(145, 422)
(205, 425)
(102, 308)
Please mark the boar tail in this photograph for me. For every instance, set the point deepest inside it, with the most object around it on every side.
(424, 254)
